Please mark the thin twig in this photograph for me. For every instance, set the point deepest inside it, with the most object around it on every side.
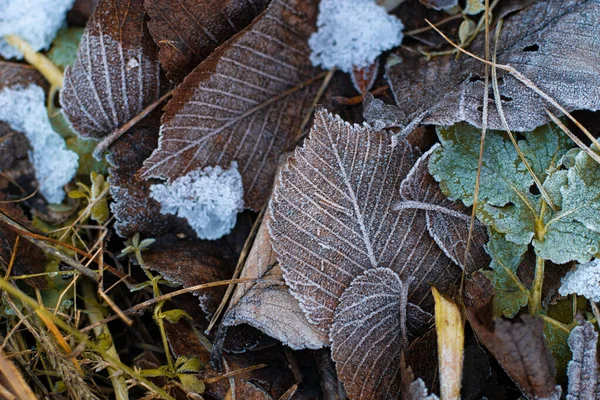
(112, 137)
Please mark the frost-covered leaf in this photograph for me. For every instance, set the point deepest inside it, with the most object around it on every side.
(507, 203)
(574, 232)
(583, 281)
(269, 306)
(447, 89)
(116, 73)
(188, 31)
(207, 199)
(23, 108)
(505, 199)
(583, 368)
(190, 262)
(36, 21)
(510, 293)
(447, 221)
(369, 334)
(134, 210)
(518, 345)
(332, 218)
(244, 103)
(345, 37)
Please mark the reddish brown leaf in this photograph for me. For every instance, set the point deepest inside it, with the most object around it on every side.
(244, 103)
(333, 219)
(20, 74)
(363, 78)
(189, 263)
(116, 73)
(187, 31)
(447, 221)
(369, 334)
(519, 346)
(269, 306)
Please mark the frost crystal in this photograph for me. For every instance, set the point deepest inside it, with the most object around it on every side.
(352, 33)
(209, 199)
(36, 21)
(23, 108)
(584, 281)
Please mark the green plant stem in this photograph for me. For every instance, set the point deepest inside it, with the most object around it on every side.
(13, 291)
(95, 314)
(535, 297)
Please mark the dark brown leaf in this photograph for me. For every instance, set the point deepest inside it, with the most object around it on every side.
(269, 306)
(439, 4)
(519, 345)
(332, 219)
(20, 74)
(116, 73)
(369, 334)
(192, 262)
(583, 367)
(446, 90)
(134, 210)
(447, 221)
(331, 387)
(187, 31)
(244, 103)
(13, 146)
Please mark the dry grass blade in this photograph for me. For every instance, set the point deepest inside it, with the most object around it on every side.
(12, 378)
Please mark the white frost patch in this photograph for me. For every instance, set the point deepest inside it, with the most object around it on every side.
(352, 33)
(584, 281)
(36, 21)
(209, 199)
(23, 108)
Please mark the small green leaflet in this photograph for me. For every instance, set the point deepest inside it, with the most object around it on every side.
(509, 202)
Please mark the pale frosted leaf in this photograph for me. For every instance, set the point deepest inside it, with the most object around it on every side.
(447, 89)
(269, 306)
(369, 333)
(244, 103)
(447, 221)
(583, 367)
(116, 73)
(333, 218)
(187, 31)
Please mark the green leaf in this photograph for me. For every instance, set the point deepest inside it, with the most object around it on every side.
(76, 194)
(188, 364)
(173, 316)
(510, 293)
(64, 48)
(100, 211)
(191, 383)
(556, 335)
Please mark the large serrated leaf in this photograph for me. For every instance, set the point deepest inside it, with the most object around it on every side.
(244, 103)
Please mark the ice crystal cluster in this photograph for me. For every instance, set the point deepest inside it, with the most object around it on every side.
(208, 199)
(352, 33)
(583, 281)
(23, 108)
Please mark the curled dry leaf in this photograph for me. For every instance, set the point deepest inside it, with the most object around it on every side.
(370, 331)
(583, 367)
(332, 219)
(446, 90)
(191, 262)
(447, 221)
(269, 306)
(188, 31)
(244, 103)
(518, 345)
(116, 73)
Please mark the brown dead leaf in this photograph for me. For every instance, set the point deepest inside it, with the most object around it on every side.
(332, 219)
(187, 31)
(439, 4)
(518, 345)
(446, 90)
(191, 262)
(116, 73)
(370, 332)
(244, 103)
(269, 306)
(447, 221)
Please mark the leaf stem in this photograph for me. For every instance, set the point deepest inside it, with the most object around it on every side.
(37, 60)
(535, 296)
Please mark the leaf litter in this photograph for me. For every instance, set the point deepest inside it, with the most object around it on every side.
(327, 292)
